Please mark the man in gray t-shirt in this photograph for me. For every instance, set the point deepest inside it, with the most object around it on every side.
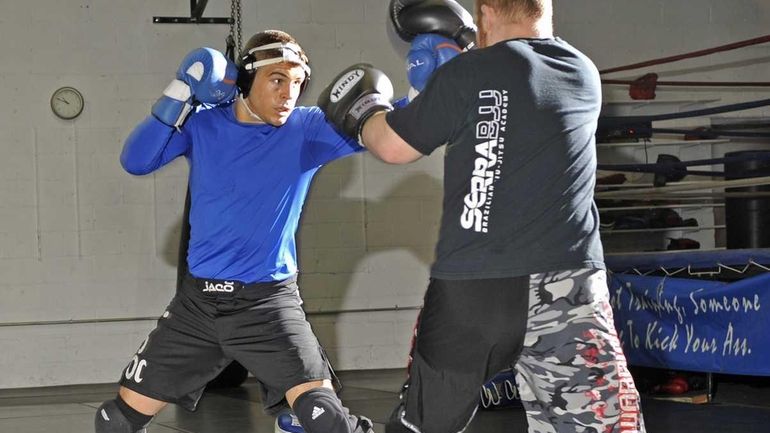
(519, 277)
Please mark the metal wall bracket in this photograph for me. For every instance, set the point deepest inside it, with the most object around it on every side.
(196, 16)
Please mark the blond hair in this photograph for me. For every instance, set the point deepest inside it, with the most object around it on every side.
(518, 10)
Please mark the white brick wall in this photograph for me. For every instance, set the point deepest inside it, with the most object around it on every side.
(80, 239)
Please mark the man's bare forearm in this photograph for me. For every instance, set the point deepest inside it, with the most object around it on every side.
(383, 142)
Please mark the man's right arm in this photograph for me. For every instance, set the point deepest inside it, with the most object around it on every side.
(204, 76)
(381, 140)
(359, 96)
(151, 145)
(357, 103)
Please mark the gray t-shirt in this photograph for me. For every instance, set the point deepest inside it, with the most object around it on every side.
(518, 120)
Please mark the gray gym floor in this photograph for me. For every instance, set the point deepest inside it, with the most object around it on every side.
(741, 405)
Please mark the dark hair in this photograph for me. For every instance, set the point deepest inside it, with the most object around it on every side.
(246, 76)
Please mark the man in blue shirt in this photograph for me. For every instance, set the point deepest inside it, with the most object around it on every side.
(252, 158)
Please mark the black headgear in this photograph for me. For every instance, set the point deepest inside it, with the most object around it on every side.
(285, 52)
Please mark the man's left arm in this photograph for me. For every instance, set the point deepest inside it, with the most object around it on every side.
(324, 142)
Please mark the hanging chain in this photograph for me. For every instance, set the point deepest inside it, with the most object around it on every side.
(235, 25)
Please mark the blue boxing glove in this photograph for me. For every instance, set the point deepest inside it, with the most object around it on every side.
(428, 53)
(204, 76)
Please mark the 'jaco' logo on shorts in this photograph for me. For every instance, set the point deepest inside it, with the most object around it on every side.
(227, 286)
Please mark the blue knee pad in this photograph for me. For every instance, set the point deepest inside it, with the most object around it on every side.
(109, 419)
(287, 422)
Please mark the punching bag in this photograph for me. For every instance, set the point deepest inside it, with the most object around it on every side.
(748, 218)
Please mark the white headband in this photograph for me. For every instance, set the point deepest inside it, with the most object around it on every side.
(289, 53)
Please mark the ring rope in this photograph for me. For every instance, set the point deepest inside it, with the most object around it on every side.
(700, 53)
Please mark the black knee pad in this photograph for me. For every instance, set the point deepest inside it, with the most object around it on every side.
(109, 419)
(361, 424)
(394, 424)
(320, 411)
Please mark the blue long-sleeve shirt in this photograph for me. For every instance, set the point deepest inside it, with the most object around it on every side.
(247, 183)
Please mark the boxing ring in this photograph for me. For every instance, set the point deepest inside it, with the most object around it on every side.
(697, 311)
(692, 310)
(704, 311)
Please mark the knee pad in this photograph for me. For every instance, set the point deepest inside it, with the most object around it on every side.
(394, 423)
(109, 419)
(287, 422)
(361, 424)
(320, 411)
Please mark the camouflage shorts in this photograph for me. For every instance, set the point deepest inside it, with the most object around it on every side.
(572, 375)
(555, 328)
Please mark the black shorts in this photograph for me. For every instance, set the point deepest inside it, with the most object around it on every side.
(467, 331)
(209, 323)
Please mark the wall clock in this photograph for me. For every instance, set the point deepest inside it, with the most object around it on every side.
(67, 103)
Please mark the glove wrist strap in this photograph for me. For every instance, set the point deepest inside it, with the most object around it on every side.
(178, 89)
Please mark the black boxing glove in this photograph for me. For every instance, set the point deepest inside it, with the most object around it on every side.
(444, 17)
(354, 95)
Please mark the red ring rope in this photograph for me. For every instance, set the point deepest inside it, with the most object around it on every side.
(698, 83)
(690, 55)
